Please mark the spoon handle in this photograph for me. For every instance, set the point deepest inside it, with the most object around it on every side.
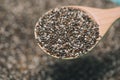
(115, 12)
(107, 18)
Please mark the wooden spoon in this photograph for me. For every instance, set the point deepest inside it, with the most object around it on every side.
(103, 17)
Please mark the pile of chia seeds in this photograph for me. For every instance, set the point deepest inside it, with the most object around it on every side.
(66, 32)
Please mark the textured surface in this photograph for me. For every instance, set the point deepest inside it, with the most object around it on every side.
(22, 59)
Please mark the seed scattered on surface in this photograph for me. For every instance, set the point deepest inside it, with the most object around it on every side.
(66, 32)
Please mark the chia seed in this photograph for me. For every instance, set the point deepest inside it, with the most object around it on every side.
(66, 32)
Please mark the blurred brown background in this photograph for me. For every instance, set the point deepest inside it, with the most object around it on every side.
(22, 59)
